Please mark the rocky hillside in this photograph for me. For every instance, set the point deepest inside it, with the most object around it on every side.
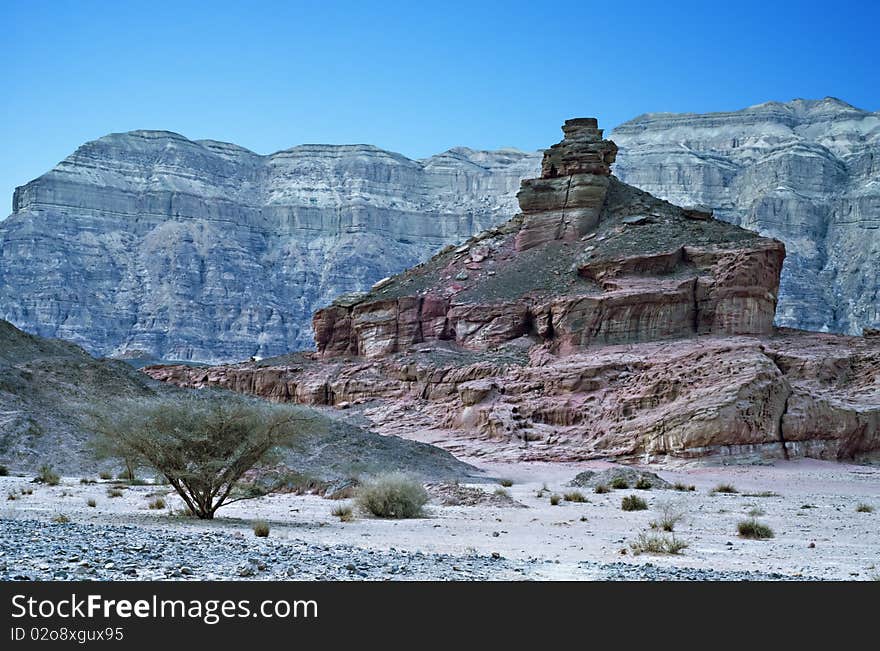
(49, 387)
(599, 322)
(146, 244)
(806, 172)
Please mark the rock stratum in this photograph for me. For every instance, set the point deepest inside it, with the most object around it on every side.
(806, 172)
(149, 245)
(600, 321)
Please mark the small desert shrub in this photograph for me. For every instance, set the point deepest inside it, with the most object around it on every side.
(756, 512)
(554, 499)
(157, 504)
(574, 496)
(507, 483)
(393, 496)
(727, 489)
(643, 484)
(105, 475)
(753, 529)
(91, 502)
(114, 492)
(670, 515)
(61, 519)
(261, 529)
(633, 503)
(619, 482)
(684, 487)
(344, 512)
(601, 488)
(4, 471)
(657, 544)
(501, 492)
(864, 508)
(48, 476)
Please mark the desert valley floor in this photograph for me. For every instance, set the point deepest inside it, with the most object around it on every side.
(811, 506)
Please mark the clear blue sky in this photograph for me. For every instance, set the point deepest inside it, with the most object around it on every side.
(414, 77)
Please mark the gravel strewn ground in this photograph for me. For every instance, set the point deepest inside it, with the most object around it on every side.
(38, 550)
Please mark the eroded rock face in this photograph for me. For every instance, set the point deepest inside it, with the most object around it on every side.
(589, 261)
(806, 172)
(647, 336)
(789, 394)
(152, 245)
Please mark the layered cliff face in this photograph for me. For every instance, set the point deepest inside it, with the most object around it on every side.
(589, 261)
(148, 244)
(602, 323)
(806, 172)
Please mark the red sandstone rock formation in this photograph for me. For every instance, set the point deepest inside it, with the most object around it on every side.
(600, 322)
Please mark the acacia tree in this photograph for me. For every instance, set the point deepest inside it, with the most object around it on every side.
(203, 446)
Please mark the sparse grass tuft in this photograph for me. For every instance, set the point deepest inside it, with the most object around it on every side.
(344, 512)
(157, 504)
(502, 492)
(727, 489)
(619, 483)
(761, 494)
(756, 512)
(261, 529)
(574, 496)
(393, 496)
(48, 476)
(601, 488)
(633, 503)
(753, 529)
(861, 507)
(643, 484)
(114, 492)
(61, 519)
(670, 515)
(554, 499)
(684, 487)
(657, 544)
(507, 483)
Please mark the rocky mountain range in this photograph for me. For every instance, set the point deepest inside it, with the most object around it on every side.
(600, 321)
(146, 244)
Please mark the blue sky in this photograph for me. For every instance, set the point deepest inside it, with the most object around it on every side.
(412, 77)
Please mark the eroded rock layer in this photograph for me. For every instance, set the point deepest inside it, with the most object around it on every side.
(639, 332)
(788, 394)
(589, 261)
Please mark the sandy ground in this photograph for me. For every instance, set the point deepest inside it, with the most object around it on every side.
(818, 531)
